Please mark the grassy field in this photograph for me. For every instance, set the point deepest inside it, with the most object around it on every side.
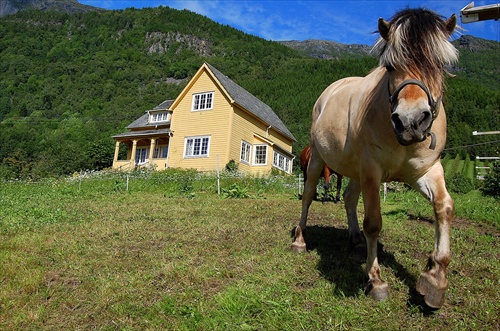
(90, 255)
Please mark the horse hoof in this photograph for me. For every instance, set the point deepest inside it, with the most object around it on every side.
(379, 291)
(433, 295)
(299, 244)
(298, 247)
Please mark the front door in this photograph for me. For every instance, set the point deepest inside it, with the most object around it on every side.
(141, 155)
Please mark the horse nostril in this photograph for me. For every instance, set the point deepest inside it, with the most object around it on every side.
(397, 123)
(423, 121)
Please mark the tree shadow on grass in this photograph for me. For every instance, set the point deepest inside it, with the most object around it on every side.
(343, 265)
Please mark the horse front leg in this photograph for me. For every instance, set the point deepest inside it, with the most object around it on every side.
(372, 225)
(432, 283)
(313, 172)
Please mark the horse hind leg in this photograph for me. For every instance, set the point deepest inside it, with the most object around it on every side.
(326, 187)
(339, 187)
(313, 172)
(377, 288)
(351, 198)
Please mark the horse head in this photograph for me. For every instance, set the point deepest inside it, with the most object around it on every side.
(414, 48)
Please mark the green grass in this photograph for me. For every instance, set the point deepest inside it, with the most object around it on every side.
(167, 255)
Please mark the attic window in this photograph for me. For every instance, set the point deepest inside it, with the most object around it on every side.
(203, 101)
(159, 117)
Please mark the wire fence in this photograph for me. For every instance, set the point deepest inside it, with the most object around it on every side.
(184, 181)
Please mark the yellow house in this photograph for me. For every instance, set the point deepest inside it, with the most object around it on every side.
(211, 122)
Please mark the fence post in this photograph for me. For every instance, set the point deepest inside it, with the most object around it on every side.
(218, 176)
(80, 182)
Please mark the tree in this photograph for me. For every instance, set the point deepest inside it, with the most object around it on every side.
(492, 181)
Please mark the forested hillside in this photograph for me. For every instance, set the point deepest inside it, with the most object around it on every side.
(70, 82)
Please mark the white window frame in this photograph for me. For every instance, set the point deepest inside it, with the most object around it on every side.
(255, 154)
(160, 152)
(203, 101)
(281, 162)
(141, 155)
(191, 150)
(159, 117)
(245, 152)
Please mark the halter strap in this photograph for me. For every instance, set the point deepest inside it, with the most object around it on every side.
(434, 104)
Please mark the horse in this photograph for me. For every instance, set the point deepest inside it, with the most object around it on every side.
(389, 125)
(326, 173)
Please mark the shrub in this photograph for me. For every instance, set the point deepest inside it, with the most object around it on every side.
(491, 185)
(459, 183)
(232, 166)
(235, 191)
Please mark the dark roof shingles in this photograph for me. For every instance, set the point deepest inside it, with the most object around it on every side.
(251, 103)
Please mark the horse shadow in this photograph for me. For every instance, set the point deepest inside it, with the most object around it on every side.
(342, 264)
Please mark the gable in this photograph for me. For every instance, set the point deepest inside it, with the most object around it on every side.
(237, 95)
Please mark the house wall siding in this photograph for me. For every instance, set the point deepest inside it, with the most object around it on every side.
(245, 126)
(213, 123)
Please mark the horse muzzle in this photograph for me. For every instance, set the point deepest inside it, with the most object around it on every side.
(411, 128)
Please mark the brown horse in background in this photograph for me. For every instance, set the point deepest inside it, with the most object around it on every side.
(389, 126)
(326, 173)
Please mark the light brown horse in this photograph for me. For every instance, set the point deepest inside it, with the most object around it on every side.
(390, 126)
(327, 173)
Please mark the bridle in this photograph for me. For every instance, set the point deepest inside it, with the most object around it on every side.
(433, 104)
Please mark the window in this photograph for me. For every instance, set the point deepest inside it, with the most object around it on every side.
(160, 152)
(260, 156)
(202, 101)
(246, 149)
(196, 147)
(281, 162)
(159, 117)
(141, 155)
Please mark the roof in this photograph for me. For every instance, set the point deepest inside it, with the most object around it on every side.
(249, 102)
(143, 121)
(470, 14)
(165, 105)
(143, 133)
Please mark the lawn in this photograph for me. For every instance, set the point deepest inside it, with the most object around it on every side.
(91, 255)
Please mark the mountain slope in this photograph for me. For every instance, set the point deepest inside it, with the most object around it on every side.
(68, 82)
(8, 7)
(324, 49)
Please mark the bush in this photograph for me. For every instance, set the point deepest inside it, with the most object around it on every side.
(491, 184)
(235, 191)
(458, 183)
(232, 166)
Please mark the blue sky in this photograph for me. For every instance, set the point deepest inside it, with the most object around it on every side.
(348, 22)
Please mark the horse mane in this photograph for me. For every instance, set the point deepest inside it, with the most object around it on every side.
(417, 43)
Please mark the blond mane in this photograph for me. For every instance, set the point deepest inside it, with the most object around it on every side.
(417, 43)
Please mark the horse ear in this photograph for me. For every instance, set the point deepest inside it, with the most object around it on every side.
(451, 23)
(383, 28)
